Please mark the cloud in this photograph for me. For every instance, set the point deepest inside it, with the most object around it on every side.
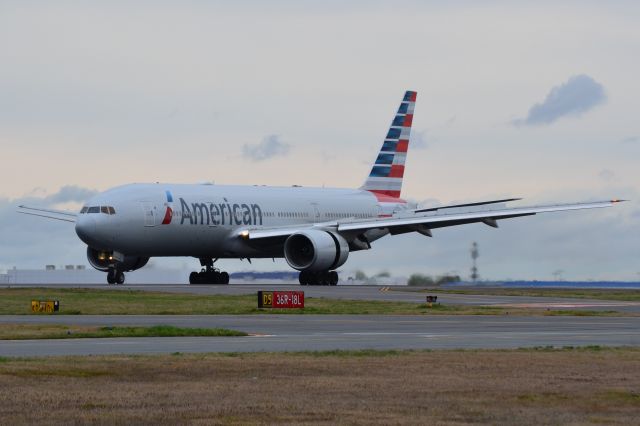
(630, 139)
(32, 242)
(573, 98)
(271, 146)
(70, 193)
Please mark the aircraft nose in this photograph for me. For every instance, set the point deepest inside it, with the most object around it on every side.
(86, 229)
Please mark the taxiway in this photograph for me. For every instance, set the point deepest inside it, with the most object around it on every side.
(328, 332)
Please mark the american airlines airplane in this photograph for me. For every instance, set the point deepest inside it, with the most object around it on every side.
(314, 229)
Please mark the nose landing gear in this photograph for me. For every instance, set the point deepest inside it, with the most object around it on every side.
(208, 274)
(115, 276)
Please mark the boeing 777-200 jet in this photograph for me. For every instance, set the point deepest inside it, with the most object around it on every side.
(314, 229)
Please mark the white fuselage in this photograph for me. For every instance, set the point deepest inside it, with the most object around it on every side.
(204, 220)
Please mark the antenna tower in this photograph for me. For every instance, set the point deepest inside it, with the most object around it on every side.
(475, 253)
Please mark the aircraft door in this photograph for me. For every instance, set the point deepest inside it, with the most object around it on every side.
(315, 212)
(149, 213)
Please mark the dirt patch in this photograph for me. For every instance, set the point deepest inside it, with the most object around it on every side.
(444, 387)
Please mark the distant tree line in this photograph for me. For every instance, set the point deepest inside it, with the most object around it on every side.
(414, 279)
(427, 280)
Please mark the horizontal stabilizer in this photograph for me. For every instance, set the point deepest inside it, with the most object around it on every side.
(62, 215)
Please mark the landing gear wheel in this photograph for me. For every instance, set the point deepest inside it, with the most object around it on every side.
(210, 276)
(333, 278)
(323, 278)
(120, 277)
(111, 276)
(318, 278)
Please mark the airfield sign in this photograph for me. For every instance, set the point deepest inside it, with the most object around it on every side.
(281, 299)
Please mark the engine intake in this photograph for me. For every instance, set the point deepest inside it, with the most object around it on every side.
(101, 259)
(315, 250)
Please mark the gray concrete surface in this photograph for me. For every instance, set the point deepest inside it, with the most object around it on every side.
(326, 332)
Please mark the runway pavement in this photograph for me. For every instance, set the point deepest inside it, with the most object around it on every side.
(361, 292)
(328, 332)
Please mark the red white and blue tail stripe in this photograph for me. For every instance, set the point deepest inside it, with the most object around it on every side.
(385, 179)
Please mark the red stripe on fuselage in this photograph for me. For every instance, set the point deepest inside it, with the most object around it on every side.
(387, 196)
(167, 216)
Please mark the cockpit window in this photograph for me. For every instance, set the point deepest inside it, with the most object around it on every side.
(98, 209)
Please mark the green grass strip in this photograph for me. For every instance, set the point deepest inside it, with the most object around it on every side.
(17, 301)
(24, 332)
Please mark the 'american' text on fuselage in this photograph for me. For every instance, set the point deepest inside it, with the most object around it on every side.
(209, 213)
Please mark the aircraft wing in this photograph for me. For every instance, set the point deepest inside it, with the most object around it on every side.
(423, 221)
(63, 215)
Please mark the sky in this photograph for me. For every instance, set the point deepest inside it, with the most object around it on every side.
(537, 100)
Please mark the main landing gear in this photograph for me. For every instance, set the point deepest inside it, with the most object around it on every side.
(114, 276)
(208, 274)
(318, 278)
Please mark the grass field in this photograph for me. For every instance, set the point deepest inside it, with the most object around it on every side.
(518, 387)
(629, 295)
(17, 301)
(55, 331)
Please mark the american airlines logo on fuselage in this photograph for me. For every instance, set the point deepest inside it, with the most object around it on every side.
(225, 213)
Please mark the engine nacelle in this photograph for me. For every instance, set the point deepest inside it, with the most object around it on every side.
(101, 260)
(315, 250)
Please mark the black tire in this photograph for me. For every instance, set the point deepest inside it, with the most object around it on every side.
(120, 278)
(223, 278)
(193, 278)
(111, 277)
(312, 278)
(333, 278)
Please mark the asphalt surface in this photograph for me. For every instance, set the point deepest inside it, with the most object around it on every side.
(327, 332)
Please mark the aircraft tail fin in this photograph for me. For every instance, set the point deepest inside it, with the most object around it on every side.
(385, 178)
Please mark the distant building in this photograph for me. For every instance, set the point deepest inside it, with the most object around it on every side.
(79, 274)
